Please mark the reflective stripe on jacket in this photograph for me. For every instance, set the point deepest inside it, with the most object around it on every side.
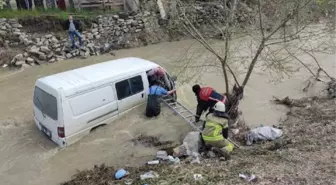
(213, 128)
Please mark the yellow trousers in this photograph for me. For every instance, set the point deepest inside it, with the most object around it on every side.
(223, 145)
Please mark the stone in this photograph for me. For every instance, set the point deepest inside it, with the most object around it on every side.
(3, 28)
(90, 36)
(134, 23)
(16, 25)
(56, 46)
(42, 56)
(97, 36)
(54, 40)
(19, 63)
(25, 54)
(48, 36)
(19, 57)
(50, 55)
(16, 33)
(58, 51)
(94, 25)
(3, 20)
(27, 42)
(129, 22)
(68, 55)
(117, 33)
(45, 49)
(125, 30)
(46, 43)
(30, 60)
(96, 33)
(52, 60)
(121, 20)
(25, 66)
(94, 30)
(3, 33)
(138, 30)
(34, 49)
(115, 17)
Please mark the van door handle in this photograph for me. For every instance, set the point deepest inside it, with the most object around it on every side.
(142, 95)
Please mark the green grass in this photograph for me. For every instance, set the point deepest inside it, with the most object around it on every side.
(20, 14)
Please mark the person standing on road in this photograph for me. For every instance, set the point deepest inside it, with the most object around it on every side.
(153, 107)
(73, 27)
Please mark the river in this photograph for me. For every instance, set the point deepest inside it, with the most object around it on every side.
(27, 157)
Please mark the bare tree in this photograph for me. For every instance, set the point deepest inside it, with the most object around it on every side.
(285, 11)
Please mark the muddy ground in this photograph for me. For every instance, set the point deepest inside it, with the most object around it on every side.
(304, 155)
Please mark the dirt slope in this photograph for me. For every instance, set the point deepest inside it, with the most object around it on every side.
(305, 155)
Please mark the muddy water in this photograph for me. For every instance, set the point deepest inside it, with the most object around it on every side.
(27, 157)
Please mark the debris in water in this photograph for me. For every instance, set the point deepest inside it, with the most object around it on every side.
(198, 177)
(248, 178)
(149, 175)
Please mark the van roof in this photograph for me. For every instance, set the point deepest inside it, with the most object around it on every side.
(83, 78)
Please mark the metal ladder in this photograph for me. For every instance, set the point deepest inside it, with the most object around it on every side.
(185, 113)
(182, 111)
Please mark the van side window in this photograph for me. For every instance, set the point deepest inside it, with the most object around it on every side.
(123, 89)
(129, 87)
(136, 84)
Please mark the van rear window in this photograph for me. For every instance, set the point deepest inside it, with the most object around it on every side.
(46, 103)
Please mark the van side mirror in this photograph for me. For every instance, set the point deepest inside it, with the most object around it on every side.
(173, 78)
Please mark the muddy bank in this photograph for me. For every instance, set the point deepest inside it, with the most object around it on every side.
(305, 155)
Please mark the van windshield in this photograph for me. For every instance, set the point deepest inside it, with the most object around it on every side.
(46, 103)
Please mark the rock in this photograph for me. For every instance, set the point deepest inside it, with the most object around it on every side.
(19, 63)
(42, 56)
(34, 49)
(50, 55)
(25, 54)
(97, 36)
(125, 30)
(17, 25)
(52, 60)
(121, 20)
(117, 33)
(94, 25)
(56, 46)
(25, 66)
(68, 55)
(17, 33)
(115, 17)
(45, 49)
(3, 33)
(134, 23)
(89, 36)
(3, 20)
(94, 30)
(138, 30)
(19, 57)
(48, 36)
(46, 43)
(30, 60)
(54, 40)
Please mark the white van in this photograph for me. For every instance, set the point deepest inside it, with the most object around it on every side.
(68, 105)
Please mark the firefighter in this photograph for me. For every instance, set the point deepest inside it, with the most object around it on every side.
(207, 97)
(215, 131)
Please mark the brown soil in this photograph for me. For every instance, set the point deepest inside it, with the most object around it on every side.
(305, 155)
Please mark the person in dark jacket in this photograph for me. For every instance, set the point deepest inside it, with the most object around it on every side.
(73, 28)
(207, 97)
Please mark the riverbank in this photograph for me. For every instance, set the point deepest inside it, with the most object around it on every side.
(305, 155)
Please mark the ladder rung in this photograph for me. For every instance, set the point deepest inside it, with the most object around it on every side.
(189, 116)
(183, 111)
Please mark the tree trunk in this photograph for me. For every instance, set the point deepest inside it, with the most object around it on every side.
(38, 4)
(50, 3)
